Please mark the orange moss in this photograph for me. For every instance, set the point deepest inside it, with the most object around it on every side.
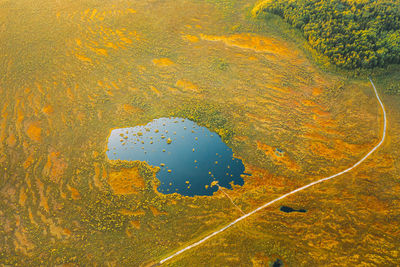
(163, 62)
(186, 85)
(156, 212)
(135, 224)
(281, 159)
(316, 136)
(349, 148)
(252, 42)
(324, 122)
(32, 220)
(21, 241)
(54, 229)
(83, 58)
(34, 131)
(320, 112)
(96, 176)
(100, 51)
(104, 173)
(111, 45)
(126, 181)
(308, 103)
(190, 38)
(130, 109)
(22, 197)
(55, 166)
(260, 260)
(20, 115)
(70, 94)
(43, 199)
(132, 213)
(11, 140)
(241, 138)
(322, 150)
(155, 90)
(48, 109)
(126, 40)
(316, 91)
(67, 232)
(74, 193)
(128, 232)
(28, 162)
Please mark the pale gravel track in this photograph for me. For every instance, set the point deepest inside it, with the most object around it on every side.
(294, 191)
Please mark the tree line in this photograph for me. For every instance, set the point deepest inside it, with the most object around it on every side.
(351, 33)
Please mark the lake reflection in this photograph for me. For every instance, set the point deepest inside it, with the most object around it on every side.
(190, 157)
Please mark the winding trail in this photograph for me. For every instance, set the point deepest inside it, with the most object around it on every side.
(294, 191)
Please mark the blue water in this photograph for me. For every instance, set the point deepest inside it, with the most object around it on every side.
(188, 165)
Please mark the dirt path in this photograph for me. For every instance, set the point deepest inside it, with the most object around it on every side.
(294, 191)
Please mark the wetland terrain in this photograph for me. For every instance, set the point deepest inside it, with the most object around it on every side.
(77, 77)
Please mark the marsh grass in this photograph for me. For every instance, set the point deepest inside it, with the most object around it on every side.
(245, 95)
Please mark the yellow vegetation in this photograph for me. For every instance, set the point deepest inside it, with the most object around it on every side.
(156, 212)
(28, 162)
(253, 42)
(186, 85)
(131, 109)
(326, 152)
(155, 90)
(55, 166)
(126, 181)
(43, 199)
(190, 38)
(11, 140)
(83, 58)
(48, 109)
(280, 159)
(34, 131)
(135, 224)
(132, 213)
(22, 197)
(163, 62)
(74, 193)
(96, 177)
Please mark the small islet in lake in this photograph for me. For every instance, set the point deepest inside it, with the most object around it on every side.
(192, 159)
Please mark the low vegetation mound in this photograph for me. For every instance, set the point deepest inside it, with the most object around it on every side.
(352, 33)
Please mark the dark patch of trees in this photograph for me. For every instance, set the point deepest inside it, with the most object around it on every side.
(352, 33)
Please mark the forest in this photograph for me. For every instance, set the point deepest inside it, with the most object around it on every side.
(353, 34)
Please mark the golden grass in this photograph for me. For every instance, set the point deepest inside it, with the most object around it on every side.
(278, 158)
(74, 192)
(163, 62)
(135, 224)
(34, 131)
(96, 71)
(126, 181)
(131, 212)
(48, 109)
(252, 42)
(83, 58)
(190, 38)
(156, 212)
(128, 108)
(11, 140)
(55, 166)
(186, 85)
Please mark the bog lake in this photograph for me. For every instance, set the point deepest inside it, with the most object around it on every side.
(192, 159)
